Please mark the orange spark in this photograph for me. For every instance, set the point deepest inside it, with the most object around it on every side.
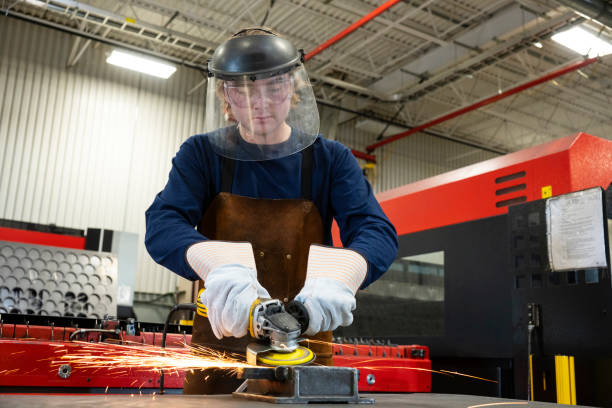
(126, 357)
(467, 375)
(401, 368)
(359, 364)
(499, 403)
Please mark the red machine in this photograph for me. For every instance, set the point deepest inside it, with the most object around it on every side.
(30, 357)
(389, 368)
(31, 361)
(487, 225)
(487, 188)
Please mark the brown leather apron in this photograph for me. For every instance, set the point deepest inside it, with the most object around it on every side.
(280, 231)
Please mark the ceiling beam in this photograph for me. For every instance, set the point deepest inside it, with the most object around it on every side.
(485, 101)
(487, 57)
(403, 28)
(500, 24)
(394, 25)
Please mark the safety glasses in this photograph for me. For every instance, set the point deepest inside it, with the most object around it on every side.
(273, 91)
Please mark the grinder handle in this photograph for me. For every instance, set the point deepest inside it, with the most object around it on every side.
(298, 310)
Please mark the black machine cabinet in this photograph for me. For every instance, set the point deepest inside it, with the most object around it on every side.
(476, 326)
(493, 269)
(573, 312)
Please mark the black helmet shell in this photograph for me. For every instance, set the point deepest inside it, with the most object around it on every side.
(254, 56)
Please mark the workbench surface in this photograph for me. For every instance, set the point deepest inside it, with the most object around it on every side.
(227, 401)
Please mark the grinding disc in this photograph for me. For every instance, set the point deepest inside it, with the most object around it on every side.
(299, 356)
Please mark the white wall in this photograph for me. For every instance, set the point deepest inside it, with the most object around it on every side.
(87, 146)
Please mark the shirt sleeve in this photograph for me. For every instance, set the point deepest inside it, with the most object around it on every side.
(363, 225)
(177, 209)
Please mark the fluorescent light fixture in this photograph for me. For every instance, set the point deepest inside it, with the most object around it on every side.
(36, 3)
(139, 63)
(537, 44)
(583, 42)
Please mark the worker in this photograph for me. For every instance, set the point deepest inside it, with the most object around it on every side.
(263, 189)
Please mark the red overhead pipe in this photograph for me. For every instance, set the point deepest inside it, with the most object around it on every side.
(364, 156)
(341, 35)
(351, 28)
(486, 101)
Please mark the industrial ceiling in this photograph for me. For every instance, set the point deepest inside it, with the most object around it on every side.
(413, 63)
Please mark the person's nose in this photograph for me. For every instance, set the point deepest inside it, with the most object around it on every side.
(258, 99)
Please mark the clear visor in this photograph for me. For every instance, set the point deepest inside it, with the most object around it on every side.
(261, 119)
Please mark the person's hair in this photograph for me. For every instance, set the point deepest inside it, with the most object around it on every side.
(245, 32)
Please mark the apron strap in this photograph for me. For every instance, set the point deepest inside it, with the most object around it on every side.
(227, 173)
(307, 164)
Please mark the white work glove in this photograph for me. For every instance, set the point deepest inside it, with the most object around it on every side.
(230, 278)
(333, 276)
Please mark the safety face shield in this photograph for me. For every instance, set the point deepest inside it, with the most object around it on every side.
(261, 119)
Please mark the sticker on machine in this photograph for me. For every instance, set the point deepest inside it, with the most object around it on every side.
(575, 229)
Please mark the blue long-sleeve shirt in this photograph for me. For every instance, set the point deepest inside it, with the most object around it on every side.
(339, 191)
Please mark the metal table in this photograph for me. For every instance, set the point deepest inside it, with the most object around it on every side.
(227, 401)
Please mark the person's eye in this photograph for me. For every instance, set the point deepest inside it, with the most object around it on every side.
(275, 89)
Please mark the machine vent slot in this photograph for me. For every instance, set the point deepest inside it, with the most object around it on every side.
(536, 280)
(511, 201)
(509, 177)
(510, 189)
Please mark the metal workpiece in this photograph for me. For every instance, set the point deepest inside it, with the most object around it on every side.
(301, 384)
(416, 400)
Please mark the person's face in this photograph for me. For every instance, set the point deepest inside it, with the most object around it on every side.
(260, 106)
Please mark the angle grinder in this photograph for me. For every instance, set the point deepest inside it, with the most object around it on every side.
(277, 330)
